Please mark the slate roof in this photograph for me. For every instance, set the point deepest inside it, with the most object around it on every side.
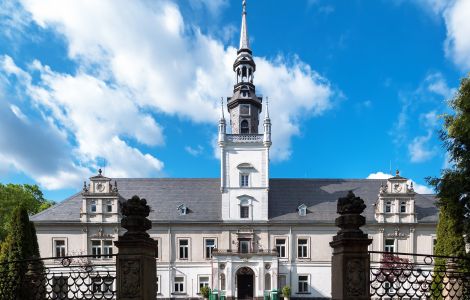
(203, 198)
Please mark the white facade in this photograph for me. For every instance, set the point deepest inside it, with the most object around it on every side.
(261, 243)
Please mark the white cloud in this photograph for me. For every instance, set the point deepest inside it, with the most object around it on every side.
(379, 175)
(419, 150)
(196, 151)
(456, 15)
(419, 188)
(18, 113)
(137, 60)
(437, 84)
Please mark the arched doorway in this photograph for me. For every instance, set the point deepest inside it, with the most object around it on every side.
(245, 283)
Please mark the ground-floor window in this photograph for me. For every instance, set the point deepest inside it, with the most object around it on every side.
(222, 281)
(281, 281)
(203, 281)
(267, 281)
(303, 284)
(158, 284)
(179, 284)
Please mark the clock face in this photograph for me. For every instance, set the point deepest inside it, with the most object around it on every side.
(99, 187)
(397, 187)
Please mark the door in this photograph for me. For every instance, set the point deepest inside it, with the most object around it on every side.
(245, 286)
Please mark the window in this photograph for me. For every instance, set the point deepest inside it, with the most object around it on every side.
(182, 210)
(244, 180)
(184, 249)
(96, 249)
(244, 245)
(222, 281)
(267, 282)
(109, 206)
(203, 281)
(157, 248)
(209, 245)
(302, 248)
(245, 108)
(390, 245)
(388, 206)
(244, 127)
(179, 285)
(303, 284)
(403, 206)
(59, 287)
(158, 284)
(93, 206)
(281, 281)
(244, 211)
(59, 247)
(302, 210)
(108, 249)
(281, 248)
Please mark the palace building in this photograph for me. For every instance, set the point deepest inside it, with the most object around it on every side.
(243, 233)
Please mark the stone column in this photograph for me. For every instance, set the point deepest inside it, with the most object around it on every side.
(350, 262)
(453, 287)
(136, 267)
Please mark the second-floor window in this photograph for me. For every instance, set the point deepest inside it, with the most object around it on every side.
(209, 245)
(59, 247)
(281, 247)
(183, 249)
(109, 206)
(244, 180)
(403, 206)
(388, 206)
(93, 206)
(389, 245)
(302, 248)
(244, 245)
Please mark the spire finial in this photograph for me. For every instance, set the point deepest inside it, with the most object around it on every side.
(222, 107)
(397, 172)
(100, 171)
(267, 107)
(244, 42)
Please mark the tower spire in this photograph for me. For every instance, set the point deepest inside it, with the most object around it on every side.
(244, 41)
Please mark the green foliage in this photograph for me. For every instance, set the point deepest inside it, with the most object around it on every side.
(205, 290)
(286, 291)
(20, 244)
(14, 195)
(453, 187)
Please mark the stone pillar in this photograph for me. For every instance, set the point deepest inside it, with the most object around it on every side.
(350, 262)
(453, 287)
(136, 267)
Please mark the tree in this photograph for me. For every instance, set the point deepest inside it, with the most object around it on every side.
(453, 187)
(14, 195)
(17, 255)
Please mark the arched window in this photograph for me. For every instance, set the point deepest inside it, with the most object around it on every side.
(244, 128)
(267, 282)
(222, 281)
(244, 74)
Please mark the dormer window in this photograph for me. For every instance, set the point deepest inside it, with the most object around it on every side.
(182, 210)
(244, 127)
(244, 180)
(302, 209)
(388, 206)
(403, 206)
(93, 206)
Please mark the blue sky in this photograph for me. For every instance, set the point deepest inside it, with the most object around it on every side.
(356, 88)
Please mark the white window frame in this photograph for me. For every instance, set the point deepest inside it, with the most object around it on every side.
(158, 251)
(307, 282)
(244, 241)
(93, 206)
(208, 283)
(98, 248)
(302, 210)
(308, 247)
(107, 254)
(387, 247)
(286, 255)
(244, 179)
(403, 205)
(388, 206)
(205, 247)
(159, 280)
(54, 248)
(109, 203)
(180, 284)
(188, 248)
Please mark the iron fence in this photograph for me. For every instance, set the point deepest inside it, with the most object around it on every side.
(418, 276)
(71, 277)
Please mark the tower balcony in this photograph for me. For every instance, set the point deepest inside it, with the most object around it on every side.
(244, 138)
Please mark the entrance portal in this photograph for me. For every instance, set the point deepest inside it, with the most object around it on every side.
(245, 284)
